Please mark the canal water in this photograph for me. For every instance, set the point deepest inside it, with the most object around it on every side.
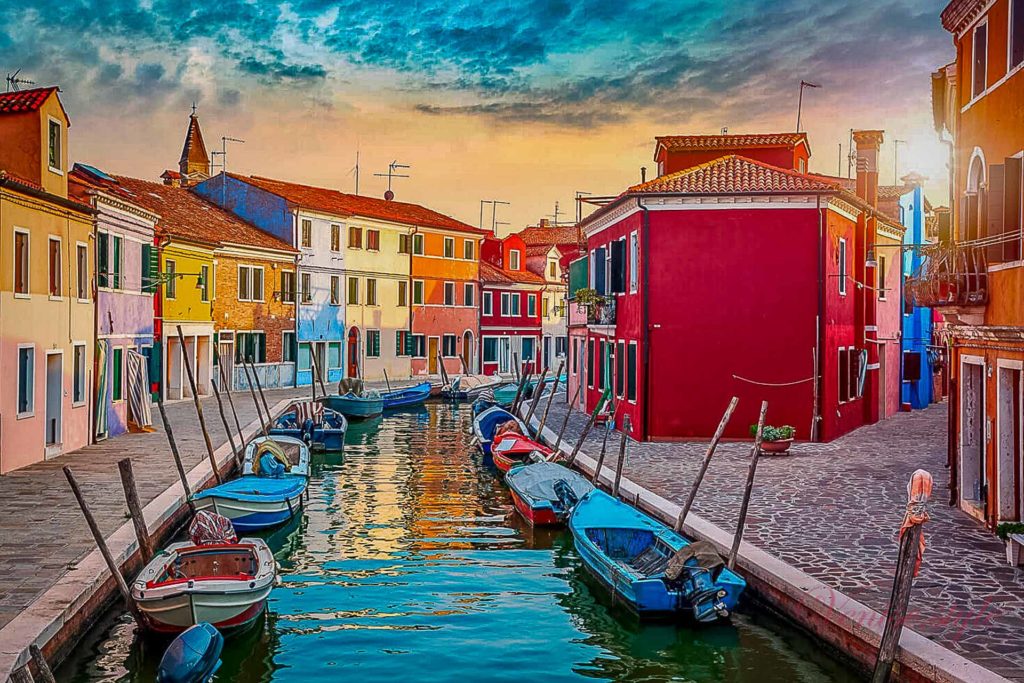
(408, 564)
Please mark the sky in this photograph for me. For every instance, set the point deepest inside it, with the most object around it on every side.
(524, 102)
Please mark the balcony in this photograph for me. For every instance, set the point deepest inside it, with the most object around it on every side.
(953, 279)
(602, 312)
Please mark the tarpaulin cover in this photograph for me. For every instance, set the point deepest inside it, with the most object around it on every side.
(537, 481)
(209, 528)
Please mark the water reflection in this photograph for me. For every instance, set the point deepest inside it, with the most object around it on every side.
(408, 562)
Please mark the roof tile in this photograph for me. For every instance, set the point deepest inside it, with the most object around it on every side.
(19, 101)
(551, 235)
(491, 274)
(734, 174)
(707, 142)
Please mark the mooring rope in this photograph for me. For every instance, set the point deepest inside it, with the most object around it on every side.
(772, 384)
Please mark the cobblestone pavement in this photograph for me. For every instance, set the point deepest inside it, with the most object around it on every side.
(832, 510)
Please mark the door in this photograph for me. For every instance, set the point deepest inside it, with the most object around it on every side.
(54, 398)
(467, 352)
(1009, 444)
(353, 352)
(972, 437)
(547, 352)
(504, 354)
(226, 362)
(432, 351)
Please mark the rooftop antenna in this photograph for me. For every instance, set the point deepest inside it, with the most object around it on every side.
(580, 194)
(223, 154)
(392, 167)
(482, 202)
(800, 102)
(494, 215)
(725, 130)
(356, 170)
(14, 82)
(851, 157)
(555, 215)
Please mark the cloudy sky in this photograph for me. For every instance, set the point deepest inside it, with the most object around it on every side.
(525, 102)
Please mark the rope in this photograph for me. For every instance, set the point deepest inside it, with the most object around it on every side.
(772, 384)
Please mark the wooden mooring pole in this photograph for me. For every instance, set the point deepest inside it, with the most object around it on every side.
(704, 466)
(255, 401)
(586, 431)
(231, 404)
(519, 392)
(42, 668)
(263, 398)
(199, 406)
(131, 496)
(622, 456)
(227, 428)
(537, 391)
(101, 543)
(551, 399)
(604, 449)
(315, 375)
(22, 675)
(565, 420)
(755, 453)
(177, 456)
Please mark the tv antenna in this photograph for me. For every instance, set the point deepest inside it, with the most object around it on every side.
(14, 82)
(223, 154)
(392, 167)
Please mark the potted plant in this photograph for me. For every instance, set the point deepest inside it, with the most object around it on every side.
(587, 298)
(1013, 534)
(775, 439)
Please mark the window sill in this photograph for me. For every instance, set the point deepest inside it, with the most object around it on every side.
(55, 297)
(25, 416)
(79, 404)
(84, 301)
(56, 171)
(22, 296)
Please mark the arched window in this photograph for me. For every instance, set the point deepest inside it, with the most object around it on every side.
(972, 209)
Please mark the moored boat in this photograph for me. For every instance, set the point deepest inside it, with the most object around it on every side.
(512, 449)
(355, 406)
(291, 452)
(407, 396)
(320, 427)
(487, 422)
(654, 570)
(544, 493)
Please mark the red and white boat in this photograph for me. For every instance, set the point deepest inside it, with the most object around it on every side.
(512, 449)
(544, 493)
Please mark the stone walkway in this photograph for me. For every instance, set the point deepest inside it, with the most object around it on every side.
(832, 511)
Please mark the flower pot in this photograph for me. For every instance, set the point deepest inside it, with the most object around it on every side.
(780, 446)
(1014, 554)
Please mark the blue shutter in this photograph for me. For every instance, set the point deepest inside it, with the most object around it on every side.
(599, 283)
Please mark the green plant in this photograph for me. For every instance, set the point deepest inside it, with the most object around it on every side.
(587, 297)
(770, 433)
(1004, 530)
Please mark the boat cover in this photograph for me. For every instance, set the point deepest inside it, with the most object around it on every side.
(537, 481)
(209, 528)
(271, 460)
(489, 421)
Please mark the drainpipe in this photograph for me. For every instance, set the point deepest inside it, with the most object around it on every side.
(646, 312)
(819, 331)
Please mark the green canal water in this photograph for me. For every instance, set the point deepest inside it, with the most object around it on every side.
(408, 564)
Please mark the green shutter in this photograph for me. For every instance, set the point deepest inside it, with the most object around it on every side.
(376, 345)
(102, 259)
(579, 275)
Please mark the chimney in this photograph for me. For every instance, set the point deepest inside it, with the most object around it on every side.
(543, 223)
(868, 142)
(643, 174)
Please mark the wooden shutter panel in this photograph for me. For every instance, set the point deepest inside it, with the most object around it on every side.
(618, 283)
(599, 258)
(1012, 182)
(994, 212)
(102, 259)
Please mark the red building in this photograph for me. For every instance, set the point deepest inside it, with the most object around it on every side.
(736, 276)
(510, 307)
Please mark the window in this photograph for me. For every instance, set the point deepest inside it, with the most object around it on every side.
(53, 149)
(333, 355)
(417, 244)
(545, 307)
(600, 365)
(26, 380)
(448, 346)
(355, 237)
(515, 297)
(881, 278)
(251, 346)
(802, 166)
(631, 372)
(513, 259)
(506, 306)
(55, 266)
(419, 346)
(250, 283)
(288, 350)
(531, 305)
(336, 291)
(468, 250)
(488, 303)
(620, 369)
(307, 232)
(634, 261)
(78, 376)
(403, 293)
(552, 269)
(849, 374)
(561, 346)
(529, 349)
(979, 67)
(171, 288)
(371, 291)
(21, 254)
(305, 361)
(150, 268)
(468, 294)
(449, 247)
(617, 267)
(590, 363)
(403, 343)
(307, 288)
(911, 366)
(336, 237)
(597, 270)
(117, 261)
(842, 267)
(1016, 33)
(575, 357)
(373, 343)
(82, 270)
(417, 292)
(353, 290)
(373, 240)
(288, 286)
(117, 381)
(403, 244)
(449, 294)
(490, 349)
(103, 259)
(204, 284)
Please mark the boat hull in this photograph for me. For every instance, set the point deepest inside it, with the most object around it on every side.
(409, 396)
(355, 407)
(487, 422)
(537, 513)
(545, 492)
(252, 515)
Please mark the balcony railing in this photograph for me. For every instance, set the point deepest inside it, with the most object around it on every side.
(952, 275)
(602, 313)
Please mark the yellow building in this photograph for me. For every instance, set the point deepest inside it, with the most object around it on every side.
(47, 303)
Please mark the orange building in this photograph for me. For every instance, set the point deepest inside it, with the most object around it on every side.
(976, 278)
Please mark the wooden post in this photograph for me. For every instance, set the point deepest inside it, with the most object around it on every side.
(255, 401)
(131, 496)
(315, 375)
(704, 466)
(263, 398)
(312, 374)
(515, 366)
(227, 427)
(177, 457)
(22, 675)
(231, 403)
(600, 458)
(97, 535)
(551, 399)
(565, 420)
(754, 454)
(386, 380)
(538, 390)
(586, 431)
(199, 406)
(519, 392)
(45, 675)
(622, 456)
(441, 369)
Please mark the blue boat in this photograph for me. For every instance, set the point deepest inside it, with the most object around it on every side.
(654, 570)
(487, 422)
(293, 454)
(193, 657)
(406, 396)
(321, 428)
(507, 394)
(355, 407)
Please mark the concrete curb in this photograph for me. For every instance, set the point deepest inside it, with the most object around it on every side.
(847, 625)
(53, 619)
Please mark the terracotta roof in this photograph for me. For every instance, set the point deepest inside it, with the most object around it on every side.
(19, 101)
(491, 274)
(892, 192)
(846, 183)
(739, 141)
(341, 204)
(194, 150)
(23, 184)
(959, 12)
(551, 235)
(173, 175)
(187, 216)
(539, 249)
(734, 174)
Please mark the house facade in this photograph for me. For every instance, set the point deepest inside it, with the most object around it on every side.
(47, 296)
(510, 308)
(976, 278)
(920, 354)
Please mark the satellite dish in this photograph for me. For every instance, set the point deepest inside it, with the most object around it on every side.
(389, 195)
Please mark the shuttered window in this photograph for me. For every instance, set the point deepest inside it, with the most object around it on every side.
(620, 369)
(373, 343)
(618, 269)
(631, 372)
(578, 276)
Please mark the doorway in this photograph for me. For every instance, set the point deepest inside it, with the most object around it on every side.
(226, 362)
(504, 354)
(54, 398)
(432, 351)
(467, 352)
(353, 353)
(1008, 420)
(972, 437)
(547, 352)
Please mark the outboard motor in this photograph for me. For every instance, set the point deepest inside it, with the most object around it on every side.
(567, 498)
(193, 657)
(692, 571)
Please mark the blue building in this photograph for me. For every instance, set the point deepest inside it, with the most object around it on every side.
(917, 363)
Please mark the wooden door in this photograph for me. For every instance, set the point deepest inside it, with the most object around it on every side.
(432, 351)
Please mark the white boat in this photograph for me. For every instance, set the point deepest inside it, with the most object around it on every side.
(296, 451)
(225, 584)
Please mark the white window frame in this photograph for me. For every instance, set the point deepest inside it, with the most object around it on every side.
(285, 345)
(336, 231)
(303, 242)
(206, 291)
(487, 303)
(455, 345)
(59, 170)
(419, 241)
(468, 250)
(634, 261)
(450, 286)
(449, 241)
(531, 305)
(50, 239)
(334, 297)
(842, 275)
(517, 304)
(171, 268)
(882, 268)
(84, 371)
(372, 231)
(302, 291)
(506, 304)
(636, 372)
(368, 345)
(514, 255)
(468, 294)
(295, 288)
(252, 289)
(27, 294)
(31, 384)
(375, 297)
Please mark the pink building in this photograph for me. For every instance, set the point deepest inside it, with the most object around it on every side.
(510, 307)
